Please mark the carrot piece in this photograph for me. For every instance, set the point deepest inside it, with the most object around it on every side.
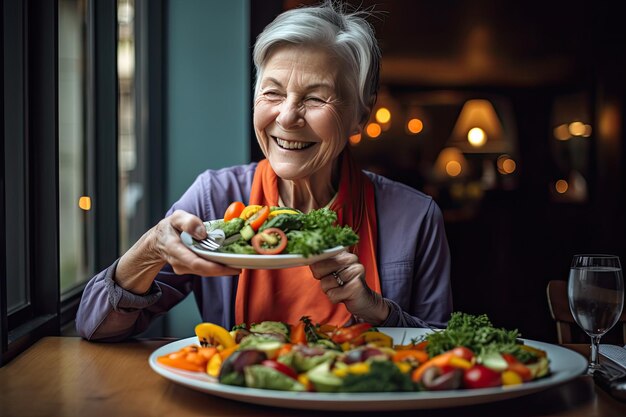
(180, 364)
(442, 359)
(418, 355)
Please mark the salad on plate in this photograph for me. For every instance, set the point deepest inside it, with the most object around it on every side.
(269, 230)
(470, 353)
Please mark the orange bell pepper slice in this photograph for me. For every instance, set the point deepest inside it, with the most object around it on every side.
(410, 355)
(257, 219)
(350, 333)
(298, 334)
(518, 367)
(226, 352)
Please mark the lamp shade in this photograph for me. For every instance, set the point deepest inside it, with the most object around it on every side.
(478, 129)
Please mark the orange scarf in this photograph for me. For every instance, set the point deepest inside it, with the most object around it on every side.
(288, 294)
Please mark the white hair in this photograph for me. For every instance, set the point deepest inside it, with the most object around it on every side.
(347, 34)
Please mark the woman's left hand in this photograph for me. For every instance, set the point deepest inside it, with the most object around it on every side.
(342, 279)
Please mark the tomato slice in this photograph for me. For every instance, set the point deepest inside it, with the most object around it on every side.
(234, 210)
(258, 218)
(270, 241)
(280, 367)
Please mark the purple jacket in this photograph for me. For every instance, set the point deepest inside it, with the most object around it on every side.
(413, 261)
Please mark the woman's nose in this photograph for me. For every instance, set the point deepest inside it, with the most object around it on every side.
(291, 115)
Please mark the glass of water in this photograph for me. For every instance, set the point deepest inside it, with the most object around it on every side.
(596, 297)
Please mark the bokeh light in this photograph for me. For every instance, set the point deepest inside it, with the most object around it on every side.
(84, 203)
(415, 126)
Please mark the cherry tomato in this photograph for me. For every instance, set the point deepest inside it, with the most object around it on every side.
(479, 376)
(463, 352)
(258, 218)
(280, 367)
(270, 241)
(234, 210)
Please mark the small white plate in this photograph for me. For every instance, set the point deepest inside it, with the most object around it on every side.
(565, 365)
(234, 260)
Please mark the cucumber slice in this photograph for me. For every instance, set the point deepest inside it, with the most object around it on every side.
(270, 348)
(247, 232)
(323, 379)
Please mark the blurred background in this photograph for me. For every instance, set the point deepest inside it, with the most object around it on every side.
(510, 114)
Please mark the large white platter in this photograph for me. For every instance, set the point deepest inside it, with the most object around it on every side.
(564, 363)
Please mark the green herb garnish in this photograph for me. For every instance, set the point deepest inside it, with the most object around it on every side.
(478, 334)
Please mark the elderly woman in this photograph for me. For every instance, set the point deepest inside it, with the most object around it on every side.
(317, 75)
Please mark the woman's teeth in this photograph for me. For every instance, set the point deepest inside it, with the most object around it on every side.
(288, 144)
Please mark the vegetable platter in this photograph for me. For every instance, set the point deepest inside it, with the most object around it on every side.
(311, 366)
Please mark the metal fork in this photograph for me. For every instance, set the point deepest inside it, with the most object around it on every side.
(208, 243)
(213, 241)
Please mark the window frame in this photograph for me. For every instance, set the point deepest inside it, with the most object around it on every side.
(31, 29)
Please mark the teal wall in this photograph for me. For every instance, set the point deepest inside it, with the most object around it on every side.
(208, 87)
(208, 110)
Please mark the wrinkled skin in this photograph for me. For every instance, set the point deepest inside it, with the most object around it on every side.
(300, 103)
(138, 267)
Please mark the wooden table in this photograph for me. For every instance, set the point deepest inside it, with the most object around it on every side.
(68, 376)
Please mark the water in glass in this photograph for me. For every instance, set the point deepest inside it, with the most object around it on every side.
(596, 296)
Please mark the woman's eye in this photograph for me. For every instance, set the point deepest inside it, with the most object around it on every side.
(272, 95)
(315, 101)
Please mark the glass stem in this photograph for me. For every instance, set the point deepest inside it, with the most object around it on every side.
(595, 348)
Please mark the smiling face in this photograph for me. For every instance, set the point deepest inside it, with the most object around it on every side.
(302, 116)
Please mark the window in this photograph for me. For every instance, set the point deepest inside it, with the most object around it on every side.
(59, 144)
(74, 198)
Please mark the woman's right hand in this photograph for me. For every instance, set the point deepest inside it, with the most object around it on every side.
(139, 266)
